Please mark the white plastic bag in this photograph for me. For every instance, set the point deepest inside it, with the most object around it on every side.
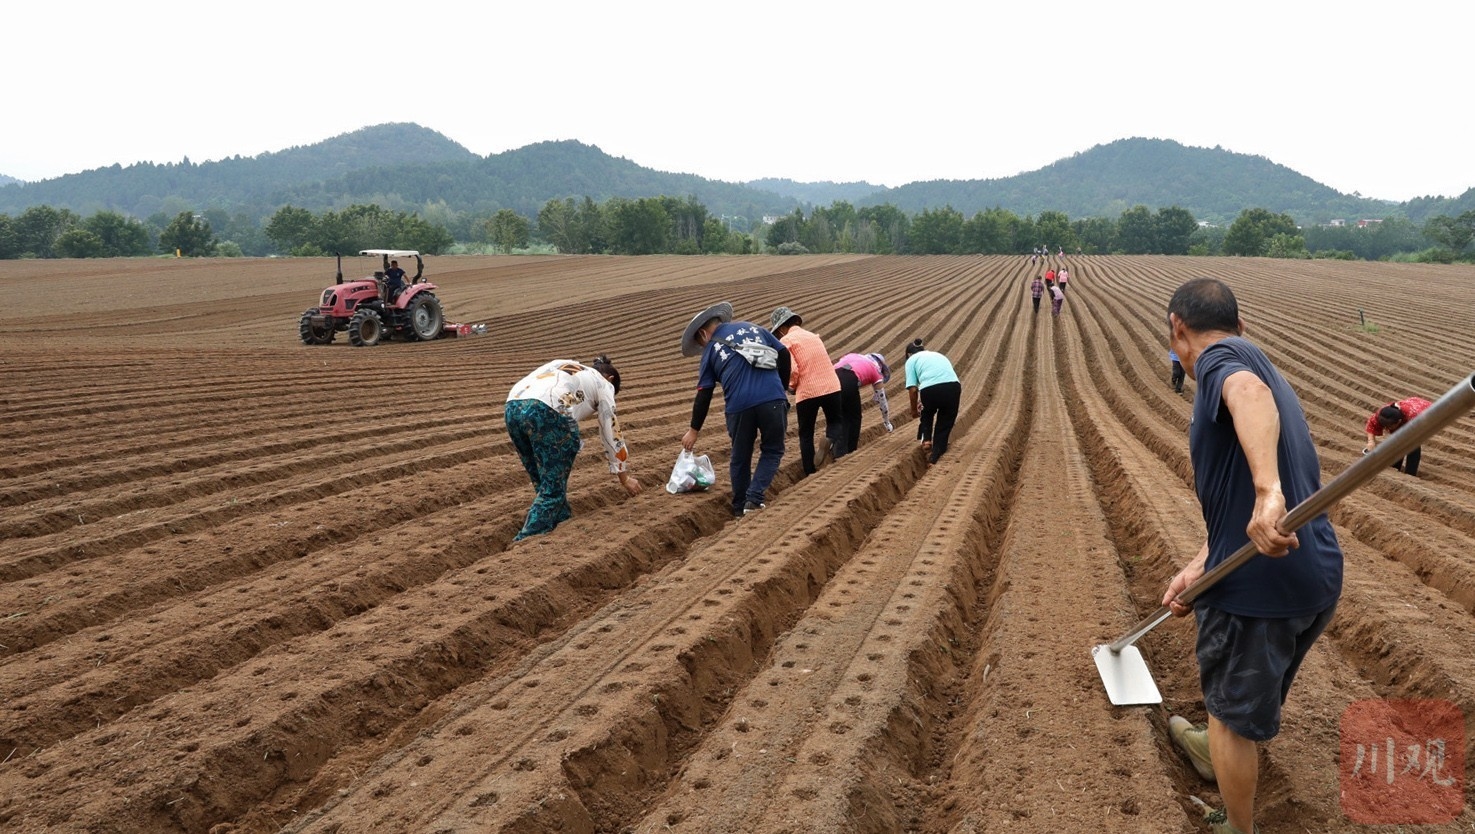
(692, 473)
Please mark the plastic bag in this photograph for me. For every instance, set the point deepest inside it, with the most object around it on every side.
(692, 473)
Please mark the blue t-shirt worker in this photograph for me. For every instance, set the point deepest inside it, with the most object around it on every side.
(394, 279)
(1253, 457)
(757, 405)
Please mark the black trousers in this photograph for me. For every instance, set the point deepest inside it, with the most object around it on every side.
(1409, 463)
(939, 413)
(1036, 300)
(1178, 376)
(808, 413)
(849, 409)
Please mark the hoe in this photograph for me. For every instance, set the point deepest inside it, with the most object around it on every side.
(1124, 672)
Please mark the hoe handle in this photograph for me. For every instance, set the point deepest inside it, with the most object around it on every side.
(1457, 402)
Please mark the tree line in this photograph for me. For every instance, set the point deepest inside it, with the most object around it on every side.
(671, 225)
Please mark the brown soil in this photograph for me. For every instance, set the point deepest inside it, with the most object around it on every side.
(254, 586)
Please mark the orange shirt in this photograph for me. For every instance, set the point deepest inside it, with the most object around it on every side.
(812, 375)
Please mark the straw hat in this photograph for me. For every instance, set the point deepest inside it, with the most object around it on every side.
(721, 310)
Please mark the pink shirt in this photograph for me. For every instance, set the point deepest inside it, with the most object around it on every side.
(811, 373)
(864, 368)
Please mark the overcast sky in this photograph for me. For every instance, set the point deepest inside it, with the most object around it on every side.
(1363, 97)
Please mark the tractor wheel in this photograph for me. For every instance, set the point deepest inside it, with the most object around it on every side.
(314, 334)
(365, 329)
(425, 317)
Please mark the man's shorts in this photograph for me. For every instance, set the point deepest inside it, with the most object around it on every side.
(1246, 665)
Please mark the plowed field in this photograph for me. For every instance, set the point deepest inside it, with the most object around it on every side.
(255, 586)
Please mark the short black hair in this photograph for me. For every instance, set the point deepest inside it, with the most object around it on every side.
(1204, 305)
(607, 368)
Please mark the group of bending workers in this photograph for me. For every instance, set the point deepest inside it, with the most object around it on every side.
(758, 369)
(1249, 443)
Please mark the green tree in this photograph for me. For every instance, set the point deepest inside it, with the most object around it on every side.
(1282, 245)
(890, 227)
(688, 221)
(1207, 240)
(715, 237)
(1024, 235)
(1453, 233)
(189, 234)
(8, 249)
(421, 235)
(371, 226)
(508, 230)
(38, 227)
(79, 243)
(990, 232)
(121, 236)
(1136, 232)
(1250, 233)
(638, 227)
(1172, 228)
(1053, 229)
(835, 226)
(558, 224)
(937, 232)
(1095, 235)
(291, 227)
(786, 229)
(594, 226)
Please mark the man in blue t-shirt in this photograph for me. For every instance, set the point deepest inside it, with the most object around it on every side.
(394, 280)
(1252, 458)
(757, 405)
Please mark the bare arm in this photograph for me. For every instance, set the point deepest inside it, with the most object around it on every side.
(1257, 424)
(1190, 574)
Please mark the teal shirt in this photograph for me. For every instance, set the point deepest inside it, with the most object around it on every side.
(925, 368)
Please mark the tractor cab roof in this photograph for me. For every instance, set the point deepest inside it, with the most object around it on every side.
(391, 253)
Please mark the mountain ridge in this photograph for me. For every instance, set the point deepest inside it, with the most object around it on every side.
(404, 166)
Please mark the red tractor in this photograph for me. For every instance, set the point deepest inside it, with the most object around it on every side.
(377, 308)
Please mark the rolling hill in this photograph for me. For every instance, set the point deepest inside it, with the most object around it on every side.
(406, 167)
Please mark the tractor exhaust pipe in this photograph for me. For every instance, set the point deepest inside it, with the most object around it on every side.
(339, 279)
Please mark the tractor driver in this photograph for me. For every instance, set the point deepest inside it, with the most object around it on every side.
(394, 279)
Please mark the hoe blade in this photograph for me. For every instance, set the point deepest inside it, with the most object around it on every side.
(1125, 676)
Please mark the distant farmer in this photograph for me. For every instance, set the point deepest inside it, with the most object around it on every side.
(542, 416)
(394, 279)
(1252, 457)
(856, 370)
(1177, 378)
(1057, 297)
(1390, 418)
(1062, 278)
(935, 393)
(750, 364)
(1036, 290)
(816, 387)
